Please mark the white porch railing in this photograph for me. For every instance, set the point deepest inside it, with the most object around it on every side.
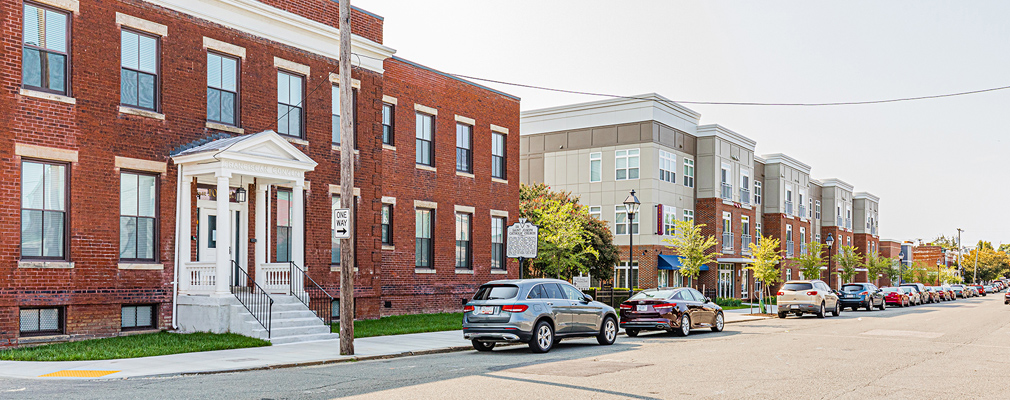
(202, 277)
(276, 277)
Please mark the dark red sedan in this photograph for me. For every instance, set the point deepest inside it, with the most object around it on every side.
(896, 296)
(676, 310)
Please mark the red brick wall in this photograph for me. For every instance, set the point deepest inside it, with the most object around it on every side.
(709, 212)
(327, 12)
(95, 128)
(841, 237)
(864, 243)
(412, 292)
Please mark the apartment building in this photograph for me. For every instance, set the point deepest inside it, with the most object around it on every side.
(222, 116)
(865, 215)
(708, 173)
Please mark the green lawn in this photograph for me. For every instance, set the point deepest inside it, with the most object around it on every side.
(401, 324)
(737, 307)
(141, 345)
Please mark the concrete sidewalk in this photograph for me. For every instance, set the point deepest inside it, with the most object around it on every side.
(276, 356)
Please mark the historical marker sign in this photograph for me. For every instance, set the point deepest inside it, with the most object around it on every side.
(341, 223)
(522, 240)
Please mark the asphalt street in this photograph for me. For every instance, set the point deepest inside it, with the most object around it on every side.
(948, 350)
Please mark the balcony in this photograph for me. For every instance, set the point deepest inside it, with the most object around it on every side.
(745, 244)
(727, 191)
(873, 230)
(839, 222)
(789, 248)
(789, 208)
(848, 223)
(744, 196)
(727, 242)
(803, 211)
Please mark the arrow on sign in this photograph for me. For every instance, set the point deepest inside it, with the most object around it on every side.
(342, 231)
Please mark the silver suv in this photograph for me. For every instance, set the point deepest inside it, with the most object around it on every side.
(535, 311)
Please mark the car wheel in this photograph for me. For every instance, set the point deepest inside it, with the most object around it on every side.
(685, 326)
(720, 322)
(608, 332)
(820, 311)
(482, 346)
(838, 310)
(543, 338)
(883, 305)
(782, 314)
(869, 305)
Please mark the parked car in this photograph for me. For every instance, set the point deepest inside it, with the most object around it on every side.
(807, 296)
(960, 290)
(896, 296)
(933, 294)
(1006, 298)
(921, 290)
(942, 291)
(980, 289)
(864, 295)
(914, 297)
(676, 310)
(990, 289)
(950, 292)
(535, 311)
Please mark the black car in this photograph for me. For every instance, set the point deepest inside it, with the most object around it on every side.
(861, 295)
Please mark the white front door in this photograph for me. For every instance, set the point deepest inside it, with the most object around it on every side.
(208, 237)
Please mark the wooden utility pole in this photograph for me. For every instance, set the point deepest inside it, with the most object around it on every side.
(346, 182)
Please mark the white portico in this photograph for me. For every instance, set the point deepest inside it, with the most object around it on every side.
(228, 166)
(213, 279)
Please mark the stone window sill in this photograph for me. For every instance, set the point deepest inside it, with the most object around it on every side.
(336, 268)
(496, 180)
(141, 113)
(336, 147)
(295, 140)
(223, 127)
(424, 270)
(464, 271)
(142, 266)
(495, 271)
(46, 264)
(388, 247)
(425, 168)
(464, 174)
(388, 147)
(48, 96)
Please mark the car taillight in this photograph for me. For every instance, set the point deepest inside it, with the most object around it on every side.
(779, 294)
(864, 293)
(467, 308)
(812, 293)
(515, 308)
(625, 306)
(665, 305)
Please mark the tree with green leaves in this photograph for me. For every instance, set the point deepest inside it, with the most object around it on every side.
(893, 270)
(766, 254)
(601, 239)
(564, 244)
(877, 265)
(692, 247)
(810, 263)
(848, 259)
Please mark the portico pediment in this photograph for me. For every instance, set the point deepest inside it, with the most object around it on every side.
(265, 154)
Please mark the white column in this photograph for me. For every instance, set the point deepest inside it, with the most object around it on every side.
(298, 233)
(185, 232)
(262, 191)
(223, 237)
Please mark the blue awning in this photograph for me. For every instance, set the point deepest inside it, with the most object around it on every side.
(672, 263)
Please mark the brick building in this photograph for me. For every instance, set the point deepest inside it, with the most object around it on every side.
(234, 97)
(684, 170)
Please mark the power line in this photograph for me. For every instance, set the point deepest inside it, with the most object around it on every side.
(730, 103)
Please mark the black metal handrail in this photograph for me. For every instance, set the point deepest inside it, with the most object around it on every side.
(253, 298)
(311, 294)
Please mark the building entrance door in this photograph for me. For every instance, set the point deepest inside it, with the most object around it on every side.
(726, 281)
(208, 238)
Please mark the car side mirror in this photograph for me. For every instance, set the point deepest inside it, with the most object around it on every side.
(708, 300)
(588, 299)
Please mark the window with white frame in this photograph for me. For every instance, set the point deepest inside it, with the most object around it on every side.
(725, 177)
(688, 215)
(817, 209)
(817, 238)
(800, 203)
(621, 221)
(627, 162)
(789, 200)
(625, 277)
(744, 185)
(669, 220)
(667, 166)
(595, 167)
(757, 229)
(596, 212)
(689, 172)
(758, 192)
(727, 222)
(745, 225)
(810, 210)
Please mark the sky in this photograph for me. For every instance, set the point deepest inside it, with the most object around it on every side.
(936, 164)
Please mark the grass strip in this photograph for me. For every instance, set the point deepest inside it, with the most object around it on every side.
(402, 324)
(132, 346)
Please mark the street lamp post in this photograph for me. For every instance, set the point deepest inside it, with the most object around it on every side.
(829, 241)
(901, 266)
(631, 205)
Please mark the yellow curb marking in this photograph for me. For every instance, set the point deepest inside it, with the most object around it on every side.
(73, 373)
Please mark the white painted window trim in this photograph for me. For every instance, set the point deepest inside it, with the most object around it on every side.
(597, 156)
(627, 155)
(620, 209)
(689, 162)
(669, 211)
(688, 214)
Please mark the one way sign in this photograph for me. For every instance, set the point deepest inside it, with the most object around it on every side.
(341, 223)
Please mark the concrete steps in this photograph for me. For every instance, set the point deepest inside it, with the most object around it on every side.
(291, 322)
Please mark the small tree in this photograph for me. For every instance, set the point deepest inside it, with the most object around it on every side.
(921, 273)
(692, 247)
(766, 255)
(847, 258)
(893, 270)
(877, 265)
(810, 264)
